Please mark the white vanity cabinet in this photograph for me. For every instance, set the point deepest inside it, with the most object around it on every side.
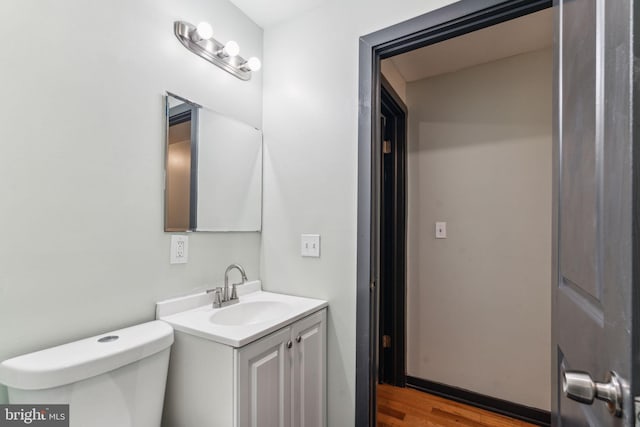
(264, 381)
(282, 377)
(309, 371)
(278, 380)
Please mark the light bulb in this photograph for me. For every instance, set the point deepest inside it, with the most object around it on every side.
(231, 48)
(204, 30)
(253, 64)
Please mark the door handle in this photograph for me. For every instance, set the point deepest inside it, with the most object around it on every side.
(579, 386)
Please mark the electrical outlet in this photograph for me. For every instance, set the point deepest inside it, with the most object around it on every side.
(310, 245)
(179, 249)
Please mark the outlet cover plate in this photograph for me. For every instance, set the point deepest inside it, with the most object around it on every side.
(179, 249)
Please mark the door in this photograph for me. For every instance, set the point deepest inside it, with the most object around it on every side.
(392, 289)
(309, 371)
(593, 194)
(264, 382)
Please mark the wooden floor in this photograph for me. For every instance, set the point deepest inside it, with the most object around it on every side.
(408, 407)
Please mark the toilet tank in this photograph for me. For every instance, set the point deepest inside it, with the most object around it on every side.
(113, 379)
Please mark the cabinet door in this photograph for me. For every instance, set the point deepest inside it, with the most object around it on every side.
(309, 371)
(264, 382)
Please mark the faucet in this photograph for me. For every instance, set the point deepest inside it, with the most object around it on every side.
(234, 295)
(221, 297)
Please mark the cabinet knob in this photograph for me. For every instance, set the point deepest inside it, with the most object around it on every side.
(289, 344)
(298, 338)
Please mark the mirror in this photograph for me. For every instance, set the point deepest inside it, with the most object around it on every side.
(213, 170)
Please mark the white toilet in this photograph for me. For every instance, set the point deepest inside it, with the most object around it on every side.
(115, 379)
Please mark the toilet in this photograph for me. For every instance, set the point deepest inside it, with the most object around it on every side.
(113, 379)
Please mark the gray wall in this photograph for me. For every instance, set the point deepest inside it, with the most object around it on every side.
(81, 159)
(480, 159)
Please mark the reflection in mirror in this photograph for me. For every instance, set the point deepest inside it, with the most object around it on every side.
(213, 170)
(181, 185)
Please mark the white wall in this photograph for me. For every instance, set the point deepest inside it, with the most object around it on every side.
(310, 134)
(81, 162)
(480, 159)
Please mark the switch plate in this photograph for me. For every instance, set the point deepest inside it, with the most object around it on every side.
(179, 249)
(441, 230)
(310, 245)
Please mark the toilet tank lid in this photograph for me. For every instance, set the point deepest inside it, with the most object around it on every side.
(79, 360)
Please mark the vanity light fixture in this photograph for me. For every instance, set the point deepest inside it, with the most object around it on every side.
(199, 40)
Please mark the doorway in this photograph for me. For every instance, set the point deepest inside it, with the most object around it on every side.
(478, 253)
(372, 163)
(596, 214)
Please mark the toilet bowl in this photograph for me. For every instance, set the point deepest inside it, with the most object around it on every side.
(113, 379)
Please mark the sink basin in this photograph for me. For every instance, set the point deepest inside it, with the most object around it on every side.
(250, 313)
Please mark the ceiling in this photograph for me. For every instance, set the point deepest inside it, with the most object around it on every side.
(525, 34)
(266, 13)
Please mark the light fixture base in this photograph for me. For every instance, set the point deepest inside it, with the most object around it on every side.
(207, 49)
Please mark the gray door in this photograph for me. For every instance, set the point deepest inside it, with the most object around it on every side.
(593, 221)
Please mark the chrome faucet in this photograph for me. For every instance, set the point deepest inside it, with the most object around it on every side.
(234, 295)
(221, 297)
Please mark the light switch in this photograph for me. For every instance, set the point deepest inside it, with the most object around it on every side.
(310, 245)
(179, 249)
(441, 230)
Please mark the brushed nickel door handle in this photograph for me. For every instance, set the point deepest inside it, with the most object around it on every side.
(579, 386)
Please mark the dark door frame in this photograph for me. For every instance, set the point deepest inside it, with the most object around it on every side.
(392, 289)
(451, 21)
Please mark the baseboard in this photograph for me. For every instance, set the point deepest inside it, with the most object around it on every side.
(503, 407)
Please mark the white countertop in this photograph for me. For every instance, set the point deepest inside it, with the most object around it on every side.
(198, 321)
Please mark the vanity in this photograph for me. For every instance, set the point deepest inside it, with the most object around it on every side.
(259, 362)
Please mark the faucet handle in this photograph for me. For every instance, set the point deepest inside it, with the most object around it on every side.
(234, 293)
(217, 296)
